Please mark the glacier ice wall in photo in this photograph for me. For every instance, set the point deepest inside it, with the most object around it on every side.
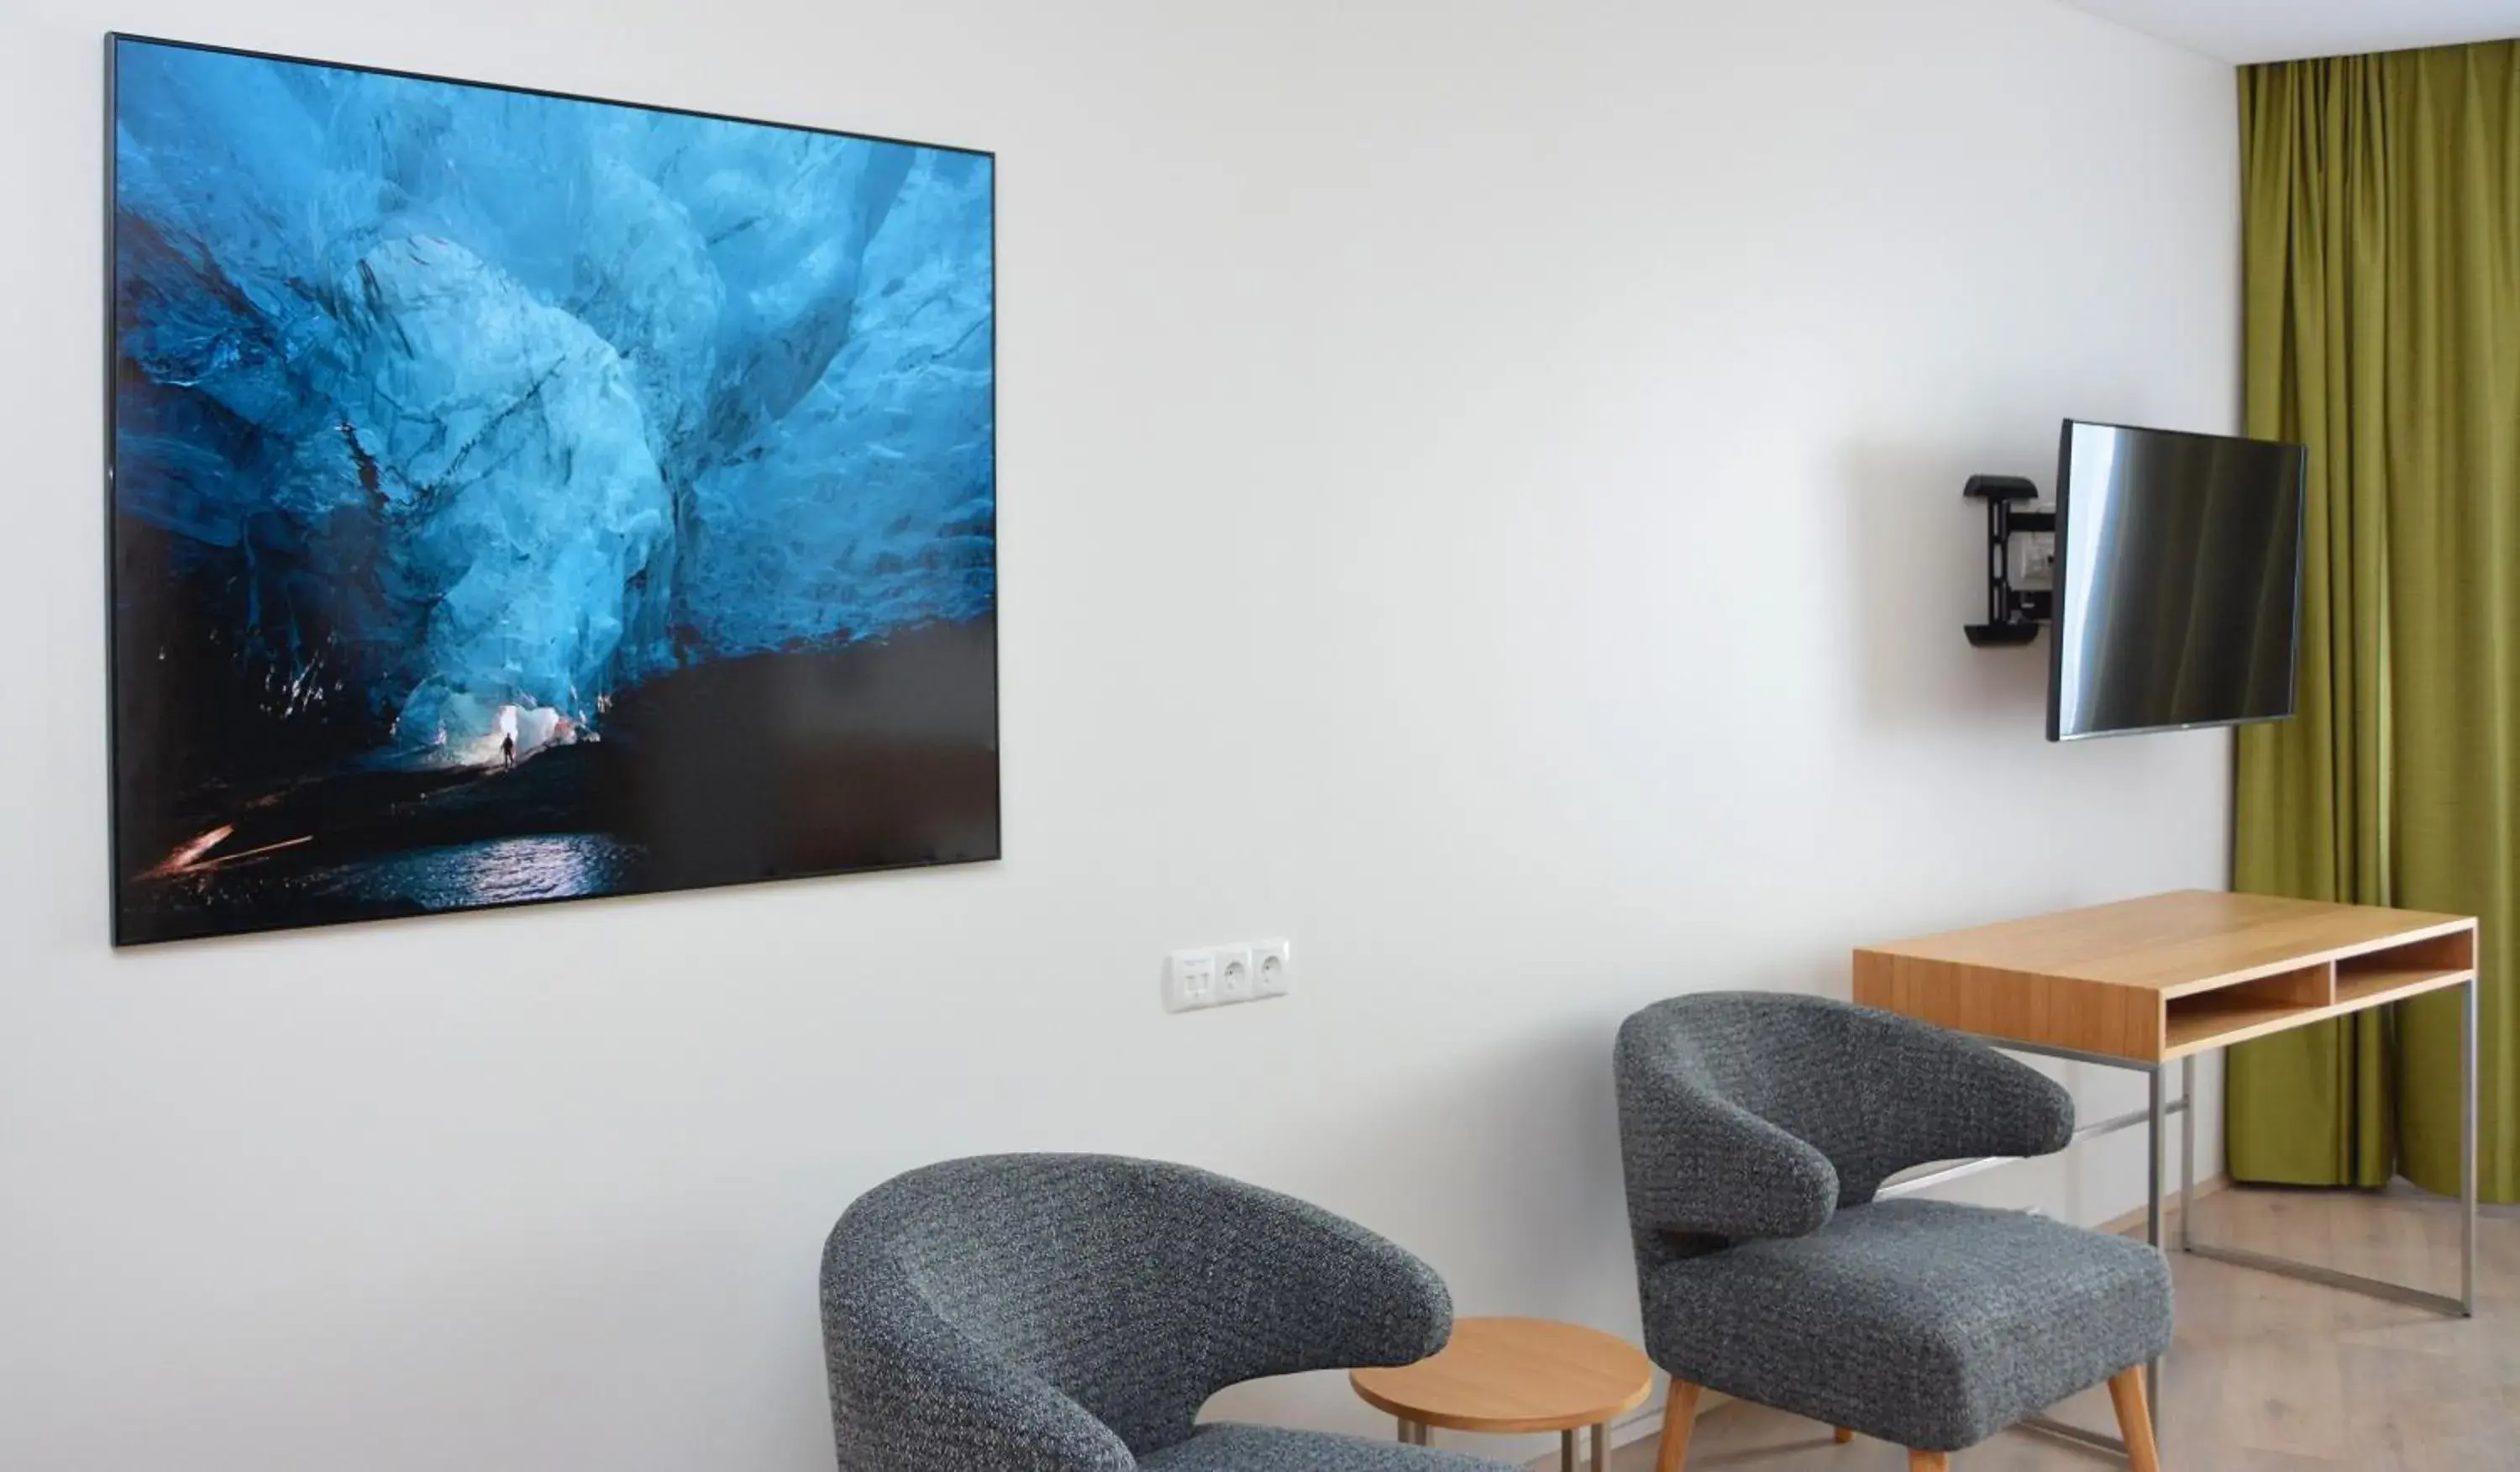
(471, 399)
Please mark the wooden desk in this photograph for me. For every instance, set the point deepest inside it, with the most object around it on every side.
(2155, 980)
(2147, 983)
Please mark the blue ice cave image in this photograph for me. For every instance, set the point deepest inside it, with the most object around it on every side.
(521, 497)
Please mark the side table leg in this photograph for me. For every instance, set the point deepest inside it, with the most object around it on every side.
(1602, 1448)
(1566, 1450)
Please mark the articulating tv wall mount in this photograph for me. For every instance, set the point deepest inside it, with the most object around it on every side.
(2012, 615)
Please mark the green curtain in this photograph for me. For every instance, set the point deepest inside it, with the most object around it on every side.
(2381, 236)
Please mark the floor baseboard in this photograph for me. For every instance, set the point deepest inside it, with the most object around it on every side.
(2132, 1222)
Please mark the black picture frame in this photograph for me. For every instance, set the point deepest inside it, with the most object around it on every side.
(974, 833)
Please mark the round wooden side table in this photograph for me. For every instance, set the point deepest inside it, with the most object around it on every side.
(1516, 1375)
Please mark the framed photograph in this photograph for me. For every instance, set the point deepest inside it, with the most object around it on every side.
(519, 497)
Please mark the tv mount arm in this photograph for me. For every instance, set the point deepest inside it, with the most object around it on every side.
(2012, 615)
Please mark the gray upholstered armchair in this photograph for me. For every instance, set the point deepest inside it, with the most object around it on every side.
(1070, 1313)
(1756, 1130)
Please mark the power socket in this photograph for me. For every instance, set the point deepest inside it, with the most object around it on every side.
(1233, 975)
(1226, 976)
(1273, 965)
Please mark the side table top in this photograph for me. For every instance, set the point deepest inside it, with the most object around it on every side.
(1515, 1374)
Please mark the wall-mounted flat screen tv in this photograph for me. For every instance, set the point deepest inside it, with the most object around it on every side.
(2177, 597)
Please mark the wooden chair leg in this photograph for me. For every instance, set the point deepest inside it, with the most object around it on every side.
(2135, 1421)
(1679, 1419)
(1844, 1435)
(1929, 1461)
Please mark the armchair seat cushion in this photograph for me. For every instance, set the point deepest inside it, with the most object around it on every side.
(1230, 1447)
(1922, 1323)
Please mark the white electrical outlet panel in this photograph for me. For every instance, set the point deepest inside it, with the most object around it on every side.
(1271, 968)
(1233, 975)
(1189, 981)
(1225, 976)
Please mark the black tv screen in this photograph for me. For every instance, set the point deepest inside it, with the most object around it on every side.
(2177, 597)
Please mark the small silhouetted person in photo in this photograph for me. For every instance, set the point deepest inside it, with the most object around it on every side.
(506, 752)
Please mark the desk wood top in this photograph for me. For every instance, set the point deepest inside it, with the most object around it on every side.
(2167, 976)
(2184, 941)
(1515, 1374)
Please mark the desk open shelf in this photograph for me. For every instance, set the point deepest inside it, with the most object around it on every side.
(2158, 979)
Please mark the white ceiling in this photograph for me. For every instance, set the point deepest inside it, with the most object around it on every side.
(2267, 30)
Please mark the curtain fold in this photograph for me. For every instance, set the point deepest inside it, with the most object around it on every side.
(2381, 236)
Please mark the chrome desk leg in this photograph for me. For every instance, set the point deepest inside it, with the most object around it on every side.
(2187, 1150)
(2467, 1149)
(2398, 1293)
(2156, 1135)
(2156, 1140)
(2307, 1272)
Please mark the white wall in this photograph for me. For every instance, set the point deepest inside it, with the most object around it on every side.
(1480, 497)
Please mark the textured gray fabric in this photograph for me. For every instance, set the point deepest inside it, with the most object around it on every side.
(1746, 1114)
(1755, 1130)
(1923, 1323)
(1070, 1313)
(1262, 1449)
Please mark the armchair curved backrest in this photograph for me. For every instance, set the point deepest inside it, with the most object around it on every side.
(1070, 1314)
(1750, 1113)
